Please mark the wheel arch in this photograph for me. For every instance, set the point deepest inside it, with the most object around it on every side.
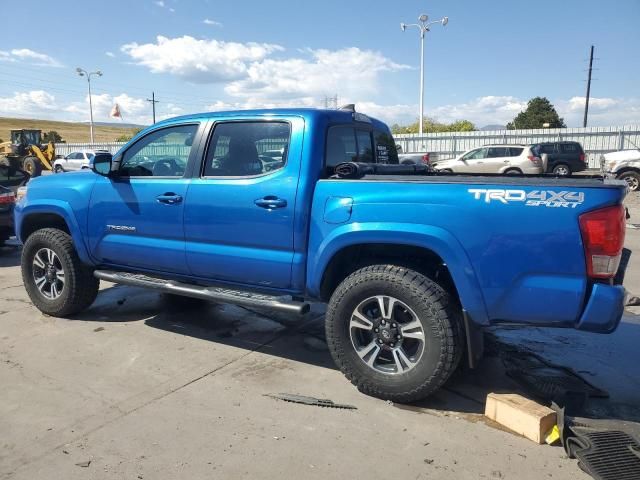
(53, 215)
(429, 250)
(627, 169)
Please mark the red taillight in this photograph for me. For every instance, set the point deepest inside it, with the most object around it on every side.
(535, 160)
(582, 157)
(603, 238)
(425, 159)
(6, 198)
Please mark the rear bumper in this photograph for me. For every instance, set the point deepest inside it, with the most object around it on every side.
(604, 309)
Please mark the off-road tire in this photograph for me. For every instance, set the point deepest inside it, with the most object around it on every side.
(80, 288)
(438, 313)
(32, 166)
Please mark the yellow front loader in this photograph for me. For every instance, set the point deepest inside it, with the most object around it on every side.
(25, 151)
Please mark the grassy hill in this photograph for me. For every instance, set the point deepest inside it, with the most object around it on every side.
(71, 132)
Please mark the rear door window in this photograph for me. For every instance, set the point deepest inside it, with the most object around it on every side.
(548, 148)
(498, 152)
(515, 152)
(246, 149)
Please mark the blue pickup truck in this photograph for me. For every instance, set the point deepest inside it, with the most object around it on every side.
(250, 208)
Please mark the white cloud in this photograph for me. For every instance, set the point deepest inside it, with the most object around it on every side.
(485, 110)
(350, 71)
(110, 54)
(29, 104)
(6, 57)
(43, 105)
(27, 55)
(208, 21)
(203, 61)
(602, 111)
(160, 3)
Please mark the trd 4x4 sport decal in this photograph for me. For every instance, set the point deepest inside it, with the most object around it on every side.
(535, 198)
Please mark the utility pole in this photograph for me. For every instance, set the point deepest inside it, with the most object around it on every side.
(153, 102)
(586, 102)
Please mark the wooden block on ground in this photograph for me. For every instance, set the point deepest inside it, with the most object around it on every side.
(520, 414)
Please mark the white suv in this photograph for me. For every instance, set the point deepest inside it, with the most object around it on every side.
(507, 159)
(75, 161)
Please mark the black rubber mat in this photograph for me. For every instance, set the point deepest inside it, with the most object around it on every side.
(606, 455)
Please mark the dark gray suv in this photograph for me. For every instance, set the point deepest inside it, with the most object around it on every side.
(564, 158)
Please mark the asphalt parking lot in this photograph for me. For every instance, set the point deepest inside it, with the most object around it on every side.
(140, 386)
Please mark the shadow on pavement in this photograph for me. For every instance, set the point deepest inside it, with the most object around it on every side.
(9, 256)
(605, 361)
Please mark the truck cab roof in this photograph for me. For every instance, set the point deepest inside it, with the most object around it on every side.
(329, 116)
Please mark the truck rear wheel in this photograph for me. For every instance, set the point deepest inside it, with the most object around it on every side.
(394, 333)
(55, 279)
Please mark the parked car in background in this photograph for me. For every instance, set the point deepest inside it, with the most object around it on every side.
(507, 159)
(624, 165)
(564, 158)
(76, 161)
(414, 158)
(13, 178)
(7, 202)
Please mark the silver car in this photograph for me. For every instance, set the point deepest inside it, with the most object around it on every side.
(80, 160)
(506, 159)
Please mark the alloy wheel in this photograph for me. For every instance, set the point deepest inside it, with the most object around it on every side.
(48, 273)
(387, 335)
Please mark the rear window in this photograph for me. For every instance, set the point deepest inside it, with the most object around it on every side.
(365, 146)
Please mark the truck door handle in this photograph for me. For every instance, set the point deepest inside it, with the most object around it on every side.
(270, 202)
(169, 198)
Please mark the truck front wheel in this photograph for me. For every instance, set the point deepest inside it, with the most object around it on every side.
(394, 333)
(55, 279)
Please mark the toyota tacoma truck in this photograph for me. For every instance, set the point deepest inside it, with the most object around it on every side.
(250, 208)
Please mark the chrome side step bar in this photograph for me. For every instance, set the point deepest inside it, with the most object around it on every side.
(216, 294)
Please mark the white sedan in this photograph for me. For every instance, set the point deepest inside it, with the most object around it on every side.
(75, 161)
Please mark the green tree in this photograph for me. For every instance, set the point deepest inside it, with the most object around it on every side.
(52, 136)
(538, 112)
(430, 125)
(125, 137)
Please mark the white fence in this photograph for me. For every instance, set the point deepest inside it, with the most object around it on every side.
(594, 140)
(66, 148)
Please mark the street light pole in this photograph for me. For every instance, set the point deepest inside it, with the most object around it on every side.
(84, 73)
(423, 26)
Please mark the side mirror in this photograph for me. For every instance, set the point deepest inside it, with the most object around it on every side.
(102, 163)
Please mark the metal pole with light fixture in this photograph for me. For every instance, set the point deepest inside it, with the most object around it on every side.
(423, 26)
(84, 73)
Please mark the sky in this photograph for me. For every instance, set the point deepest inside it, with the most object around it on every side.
(206, 55)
